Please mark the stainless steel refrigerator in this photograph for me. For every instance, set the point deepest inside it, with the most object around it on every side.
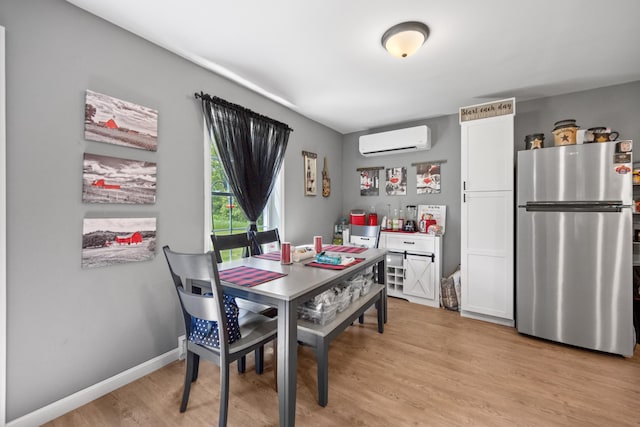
(574, 245)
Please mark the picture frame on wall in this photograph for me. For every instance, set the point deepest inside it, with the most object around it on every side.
(396, 181)
(310, 173)
(428, 178)
(369, 182)
(115, 180)
(114, 121)
(109, 241)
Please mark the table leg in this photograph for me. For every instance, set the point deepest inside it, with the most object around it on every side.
(287, 362)
(382, 279)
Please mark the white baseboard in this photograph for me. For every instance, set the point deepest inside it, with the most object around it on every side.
(487, 318)
(82, 397)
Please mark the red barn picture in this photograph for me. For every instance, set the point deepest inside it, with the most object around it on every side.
(129, 239)
(100, 183)
(111, 124)
(136, 125)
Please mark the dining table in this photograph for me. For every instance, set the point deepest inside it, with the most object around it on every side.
(289, 286)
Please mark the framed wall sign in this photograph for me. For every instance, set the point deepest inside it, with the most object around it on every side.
(310, 173)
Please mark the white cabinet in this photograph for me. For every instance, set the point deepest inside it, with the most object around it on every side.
(414, 266)
(487, 220)
(487, 162)
(420, 273)
(487, 256)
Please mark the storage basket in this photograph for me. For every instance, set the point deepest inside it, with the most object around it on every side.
(321, 314)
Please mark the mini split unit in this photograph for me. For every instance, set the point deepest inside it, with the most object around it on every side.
(398, 141)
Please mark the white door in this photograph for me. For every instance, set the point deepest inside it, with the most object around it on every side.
(487, 154)
(487, 253)
(420, 277)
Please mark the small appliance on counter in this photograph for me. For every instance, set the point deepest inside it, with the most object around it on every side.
(410, 224)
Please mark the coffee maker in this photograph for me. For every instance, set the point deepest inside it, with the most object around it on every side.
(410, 223)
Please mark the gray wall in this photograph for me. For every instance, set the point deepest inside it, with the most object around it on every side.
(70, 328)
(617, 107)
(445, 145)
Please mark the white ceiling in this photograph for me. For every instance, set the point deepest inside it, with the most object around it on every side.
(324, 59)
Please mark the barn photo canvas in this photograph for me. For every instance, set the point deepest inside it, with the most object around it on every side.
(114, 121)
(114, 180)
(109, 241)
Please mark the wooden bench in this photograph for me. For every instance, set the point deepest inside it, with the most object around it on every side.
(320, 336)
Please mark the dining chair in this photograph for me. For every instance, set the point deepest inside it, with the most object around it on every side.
(260, 238)
(242, 241)
(366, 236)
(255, 330)
(266, 237)
(231, 241)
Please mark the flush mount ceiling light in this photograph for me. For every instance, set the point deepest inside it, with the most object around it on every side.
(405, 39)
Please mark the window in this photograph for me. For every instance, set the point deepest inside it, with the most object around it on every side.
(222, 213)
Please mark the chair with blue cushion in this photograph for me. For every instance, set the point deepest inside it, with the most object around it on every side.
(242, 241)
(255, 330)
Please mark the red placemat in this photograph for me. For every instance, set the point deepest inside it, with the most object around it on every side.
(273, 256)
(347, 249)
(248, 276)
(334, 266)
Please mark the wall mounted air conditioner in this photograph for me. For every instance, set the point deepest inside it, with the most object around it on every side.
(397, 141)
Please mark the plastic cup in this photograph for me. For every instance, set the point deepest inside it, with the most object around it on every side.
(285, 253)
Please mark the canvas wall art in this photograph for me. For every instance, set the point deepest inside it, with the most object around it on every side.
(396, 181)
(428, 178)
(109, 241)
(114, 121)
(369, 182)
(114, 180)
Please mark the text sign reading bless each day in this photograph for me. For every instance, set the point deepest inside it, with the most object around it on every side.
(491, 109)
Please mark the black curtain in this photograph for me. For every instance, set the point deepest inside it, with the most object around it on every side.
(251, 148)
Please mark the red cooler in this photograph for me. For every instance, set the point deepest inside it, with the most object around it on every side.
(357, 217)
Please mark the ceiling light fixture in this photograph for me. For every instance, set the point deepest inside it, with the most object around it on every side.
(405, 39)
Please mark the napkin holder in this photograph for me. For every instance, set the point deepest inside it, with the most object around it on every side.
(301, 253)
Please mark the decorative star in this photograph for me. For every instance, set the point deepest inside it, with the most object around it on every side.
(565, 138)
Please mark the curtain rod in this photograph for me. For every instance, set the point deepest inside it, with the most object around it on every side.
(240, 108)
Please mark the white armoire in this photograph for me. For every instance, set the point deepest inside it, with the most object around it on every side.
(487, 220)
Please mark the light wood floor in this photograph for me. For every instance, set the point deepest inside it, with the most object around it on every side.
(430, 368)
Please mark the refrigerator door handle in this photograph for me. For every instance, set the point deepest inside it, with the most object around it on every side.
(596, 206)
